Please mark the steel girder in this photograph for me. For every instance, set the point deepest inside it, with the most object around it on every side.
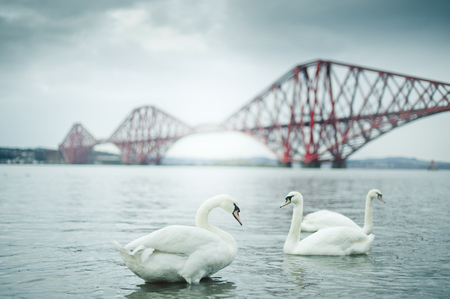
(146, 134)
(77, 145)
(325, 111)
(319, 111)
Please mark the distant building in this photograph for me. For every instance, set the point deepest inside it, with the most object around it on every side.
(30, 156)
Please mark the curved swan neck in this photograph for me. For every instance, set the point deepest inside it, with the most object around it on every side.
(368, 216)
(201, 220)
(294, 232)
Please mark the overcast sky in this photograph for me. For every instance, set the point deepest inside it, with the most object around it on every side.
(93, 62)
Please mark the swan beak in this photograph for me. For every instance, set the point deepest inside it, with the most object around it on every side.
(380, 197)
(236, 215)
(288, 201)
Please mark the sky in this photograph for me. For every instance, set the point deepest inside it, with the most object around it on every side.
(93, 62)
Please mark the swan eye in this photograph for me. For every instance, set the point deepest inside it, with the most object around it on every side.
(236, 208)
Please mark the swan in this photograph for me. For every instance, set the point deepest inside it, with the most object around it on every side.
(341, 240)
(184, 253)
(324, 218)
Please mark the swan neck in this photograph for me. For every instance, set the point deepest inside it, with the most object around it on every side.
(201, 221)
(294, 232)
(368, 216)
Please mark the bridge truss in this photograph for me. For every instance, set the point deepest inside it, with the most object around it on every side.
(146, 134)
(77, 145)
(325, 111)
(319, 111)
(142, 138)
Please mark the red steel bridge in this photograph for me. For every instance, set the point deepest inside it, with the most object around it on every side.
(319, 111)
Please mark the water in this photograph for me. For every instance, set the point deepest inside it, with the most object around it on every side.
(56, 223)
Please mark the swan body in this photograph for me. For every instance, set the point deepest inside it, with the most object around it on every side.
(329, 241)
(324, 218)
(184, 253)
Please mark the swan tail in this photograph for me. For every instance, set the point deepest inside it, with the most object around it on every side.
(126, 254)
(131, 256)
(123, 251)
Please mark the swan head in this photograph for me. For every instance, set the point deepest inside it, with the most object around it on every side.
(375, 193)
(230, 205)
(293, 197)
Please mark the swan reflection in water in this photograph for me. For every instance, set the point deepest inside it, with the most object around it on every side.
(292, 264)
(304, 271)
(209, 287)
(308, 263)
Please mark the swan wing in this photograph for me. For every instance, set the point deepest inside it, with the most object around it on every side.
(176, 239)
(335, 241)
(323, 219)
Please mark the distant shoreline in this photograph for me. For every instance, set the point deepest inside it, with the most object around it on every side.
(49, 156)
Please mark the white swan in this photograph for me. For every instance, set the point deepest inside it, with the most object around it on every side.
(324, 218)
(184, 253)
(328, 241)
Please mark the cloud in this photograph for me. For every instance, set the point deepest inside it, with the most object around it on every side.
(136, 25)
(200, 61)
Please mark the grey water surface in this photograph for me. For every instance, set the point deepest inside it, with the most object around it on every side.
(57, 223)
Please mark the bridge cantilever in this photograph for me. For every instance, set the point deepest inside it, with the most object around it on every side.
(319, 111)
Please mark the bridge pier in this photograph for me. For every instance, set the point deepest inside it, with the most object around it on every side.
(311, 164)
(339, 164)
(151, 161)
(286, 164)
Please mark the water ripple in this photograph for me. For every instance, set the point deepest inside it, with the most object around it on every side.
(57, 223)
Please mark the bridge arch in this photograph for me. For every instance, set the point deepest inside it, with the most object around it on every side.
(220, 145)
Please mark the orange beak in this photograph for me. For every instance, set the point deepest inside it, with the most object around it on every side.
(236, 215)
(288, 201)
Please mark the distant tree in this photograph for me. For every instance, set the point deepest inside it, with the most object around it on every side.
(40, 155)
(6, 154)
